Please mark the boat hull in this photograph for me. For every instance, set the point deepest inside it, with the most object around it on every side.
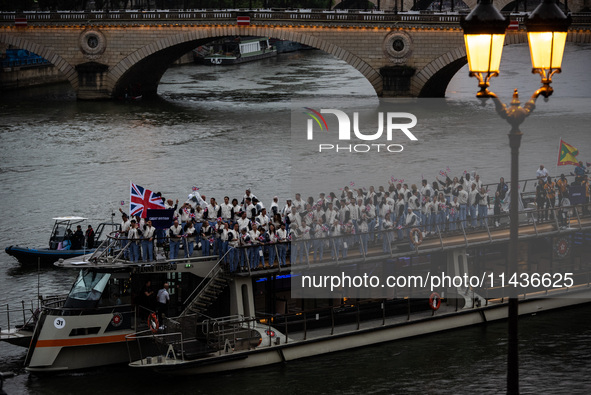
(65, 342)
(31, 256)
(222, 60)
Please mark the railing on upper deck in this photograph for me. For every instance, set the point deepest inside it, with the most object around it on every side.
(377, 244)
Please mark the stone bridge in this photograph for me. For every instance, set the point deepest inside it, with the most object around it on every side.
(103, 53)
(507, 5)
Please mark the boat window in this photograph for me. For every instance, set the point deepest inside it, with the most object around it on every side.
(58, 235)
(89, 285)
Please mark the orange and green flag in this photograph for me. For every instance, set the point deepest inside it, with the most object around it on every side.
(567, 154)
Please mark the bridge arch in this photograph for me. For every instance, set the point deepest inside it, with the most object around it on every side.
(59, 62)
(157, 56)
(433, 79)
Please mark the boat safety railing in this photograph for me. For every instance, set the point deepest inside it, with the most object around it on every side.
(223, 335)
(435, 232)
(56, 301)
(17, 317)
(164, 345)
(560, 278)
(27, 312)
(190, 336)
(226, 335)
(116, 248)
(236, 331)
(438, 230)
(346, 317)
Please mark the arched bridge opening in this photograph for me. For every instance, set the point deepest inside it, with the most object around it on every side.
(433, 79)
(145, 67)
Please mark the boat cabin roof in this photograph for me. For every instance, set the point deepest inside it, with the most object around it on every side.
(71, 218)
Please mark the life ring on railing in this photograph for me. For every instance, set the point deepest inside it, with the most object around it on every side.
(153, 322)
(435, 301)
(418, 239)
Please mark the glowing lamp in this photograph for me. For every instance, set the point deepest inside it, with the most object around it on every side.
(547, 27)
(484, 35)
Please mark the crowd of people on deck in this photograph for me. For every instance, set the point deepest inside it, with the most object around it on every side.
(248, 235)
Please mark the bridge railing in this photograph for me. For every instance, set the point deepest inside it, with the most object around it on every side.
(262, 15)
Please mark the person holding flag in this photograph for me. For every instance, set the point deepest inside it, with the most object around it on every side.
(142, 199)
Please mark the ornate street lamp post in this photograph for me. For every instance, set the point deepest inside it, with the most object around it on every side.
(484, 34)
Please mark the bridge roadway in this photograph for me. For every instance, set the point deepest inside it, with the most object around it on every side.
(103, 53)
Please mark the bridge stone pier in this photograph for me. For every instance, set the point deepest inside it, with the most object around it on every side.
(102, 54)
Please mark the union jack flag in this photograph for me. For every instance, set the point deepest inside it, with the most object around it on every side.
(141, 200)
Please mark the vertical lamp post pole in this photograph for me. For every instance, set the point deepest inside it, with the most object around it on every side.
(484, 35)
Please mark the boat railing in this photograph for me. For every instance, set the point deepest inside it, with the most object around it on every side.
(213, 273)
(223, 335)
(168, 345)
(27, 312)
(361, 314)
(427, 236)
(115, 249)
(54, 301)
(527, 184)
(299, 325)
(226, 335)
(437, 231)
(563, 278)
(236, 332)
(17, 317)
(193, 335)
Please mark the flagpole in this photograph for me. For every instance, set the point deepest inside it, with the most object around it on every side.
(558, 160)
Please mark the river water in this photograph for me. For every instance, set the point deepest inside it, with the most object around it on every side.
(227, 128)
